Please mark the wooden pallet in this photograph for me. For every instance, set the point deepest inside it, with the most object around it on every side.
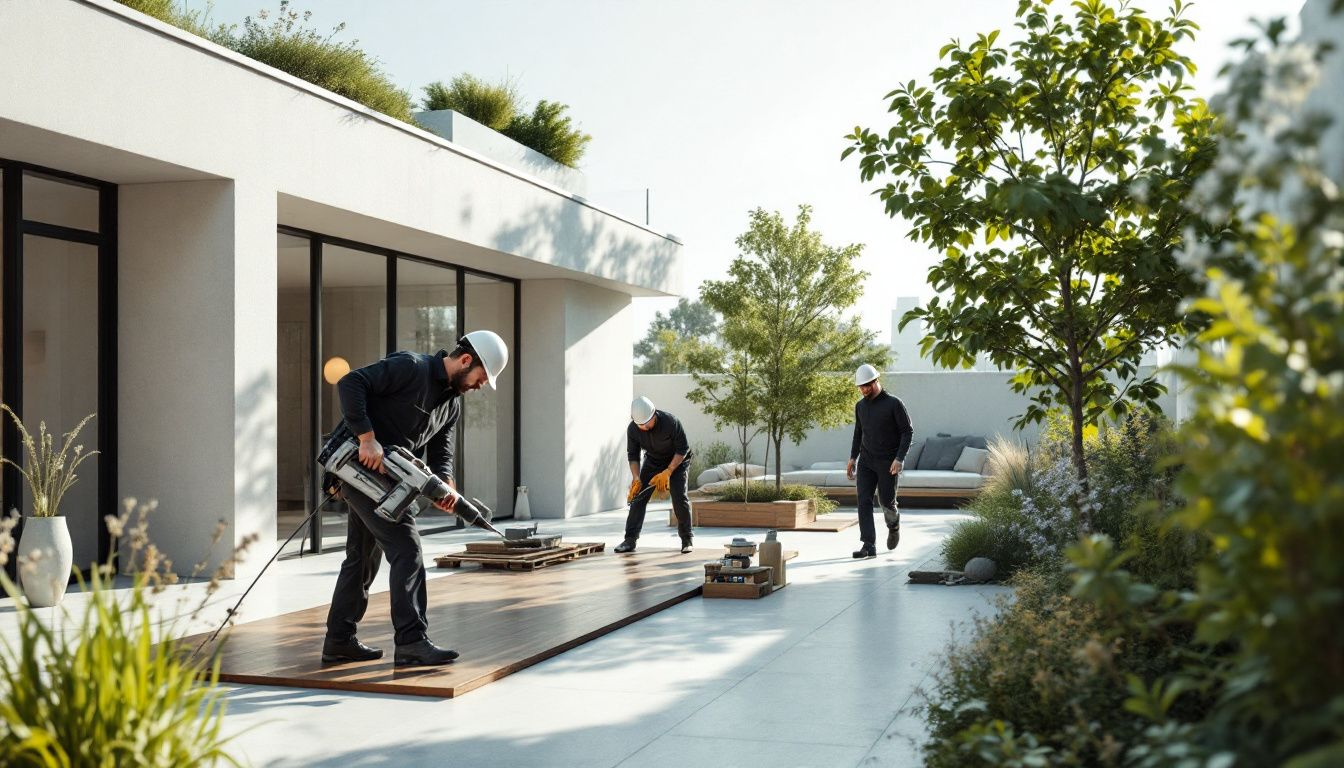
(528, 560)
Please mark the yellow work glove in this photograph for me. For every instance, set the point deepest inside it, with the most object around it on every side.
(634, 491)
(661, 482)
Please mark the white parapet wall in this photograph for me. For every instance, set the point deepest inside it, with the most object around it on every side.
(955, 402)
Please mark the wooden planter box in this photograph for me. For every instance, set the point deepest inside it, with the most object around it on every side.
(782, 515)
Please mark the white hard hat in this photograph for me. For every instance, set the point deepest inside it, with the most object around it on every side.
(491, 351)
(641, 410)
(865, 374)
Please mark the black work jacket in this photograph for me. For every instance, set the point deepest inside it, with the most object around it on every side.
(660, 444)
(882, 430)
(406, 400)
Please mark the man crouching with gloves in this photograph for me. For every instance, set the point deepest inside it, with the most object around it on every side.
(411, 400)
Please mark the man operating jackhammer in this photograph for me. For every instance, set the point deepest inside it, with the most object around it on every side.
(659, 436)
(882, 435)
(410, 400)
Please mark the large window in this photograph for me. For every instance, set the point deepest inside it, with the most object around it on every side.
(488, 415)
(57, 325)
(345, 290)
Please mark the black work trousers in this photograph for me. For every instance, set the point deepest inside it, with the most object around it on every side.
(681, 503)
(368, 537)
(883, 482)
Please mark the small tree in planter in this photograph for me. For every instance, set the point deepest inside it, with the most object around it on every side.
(728, 388)
(781, 307)
(45, 545)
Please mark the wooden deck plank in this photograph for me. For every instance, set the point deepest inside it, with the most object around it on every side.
(500, 621)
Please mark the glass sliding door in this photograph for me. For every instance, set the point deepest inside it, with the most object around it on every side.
(58, 326)
(354, 334)
(342, 306)
(427, 309)
(295, 436)
(60, 354)
(489, 432)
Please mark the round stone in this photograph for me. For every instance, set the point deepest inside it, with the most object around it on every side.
(980, 569)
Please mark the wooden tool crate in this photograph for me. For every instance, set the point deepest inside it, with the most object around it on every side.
(744, 583)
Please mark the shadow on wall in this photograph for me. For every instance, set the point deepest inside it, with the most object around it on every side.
(254, 471)
(588, 244)
(609, 477)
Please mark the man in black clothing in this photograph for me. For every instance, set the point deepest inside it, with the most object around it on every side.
(660, 437)
(882, 435)
(409, 400)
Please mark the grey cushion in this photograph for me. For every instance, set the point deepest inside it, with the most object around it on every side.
(928, 478)
(941, 452)
(977, 441)
(971, 460)
(912, 455)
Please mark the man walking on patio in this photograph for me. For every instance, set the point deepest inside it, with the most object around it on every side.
(660, 437)
(882, 435)
(409, 400)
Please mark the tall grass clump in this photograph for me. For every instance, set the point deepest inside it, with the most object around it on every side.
(493, 105)
(109, 686)
(283, 39)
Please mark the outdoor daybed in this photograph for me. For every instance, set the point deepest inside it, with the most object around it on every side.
(943, 466)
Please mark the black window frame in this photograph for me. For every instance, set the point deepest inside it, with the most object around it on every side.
(315, 242)
(11, 340)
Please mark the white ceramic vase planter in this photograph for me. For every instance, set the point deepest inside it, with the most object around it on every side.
(44, 578)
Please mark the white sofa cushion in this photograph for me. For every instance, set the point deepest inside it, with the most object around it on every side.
(971, 460)
(829, 465)
(940, 478)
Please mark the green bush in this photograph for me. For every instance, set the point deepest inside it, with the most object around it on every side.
(107, 687)
(491, 105)
(551, 132)
(705, 456)
(1048, 674)
(1027, 512)
(757, 491)
(288, 44)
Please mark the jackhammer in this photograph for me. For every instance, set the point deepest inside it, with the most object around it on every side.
(397, 491)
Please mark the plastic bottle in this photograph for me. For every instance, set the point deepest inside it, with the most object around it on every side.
(772, 554)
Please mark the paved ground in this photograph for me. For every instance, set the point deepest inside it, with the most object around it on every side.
(823, 673)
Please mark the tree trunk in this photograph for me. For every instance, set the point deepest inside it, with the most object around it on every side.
(779, 481)
(1079, 459)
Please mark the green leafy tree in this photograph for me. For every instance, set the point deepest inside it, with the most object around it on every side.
(493, 105)
(548, 130)
(1051, 175)
(728, 388)
(674, 340)
(781, 306)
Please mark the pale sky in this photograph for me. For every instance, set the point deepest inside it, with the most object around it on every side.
(719, 106)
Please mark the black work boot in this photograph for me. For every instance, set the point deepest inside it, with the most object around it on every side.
(686, 547)
(624, 546)
(422, 654)
(865, 551)
(348, 650)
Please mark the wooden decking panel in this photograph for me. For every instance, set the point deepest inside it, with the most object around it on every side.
(500, 621)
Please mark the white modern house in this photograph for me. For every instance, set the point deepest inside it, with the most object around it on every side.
(195, 246)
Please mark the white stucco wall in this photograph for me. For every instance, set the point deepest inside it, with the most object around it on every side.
(575, 397)
(206, 110)
(460, 129)
(196, 357)
(211, 151)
